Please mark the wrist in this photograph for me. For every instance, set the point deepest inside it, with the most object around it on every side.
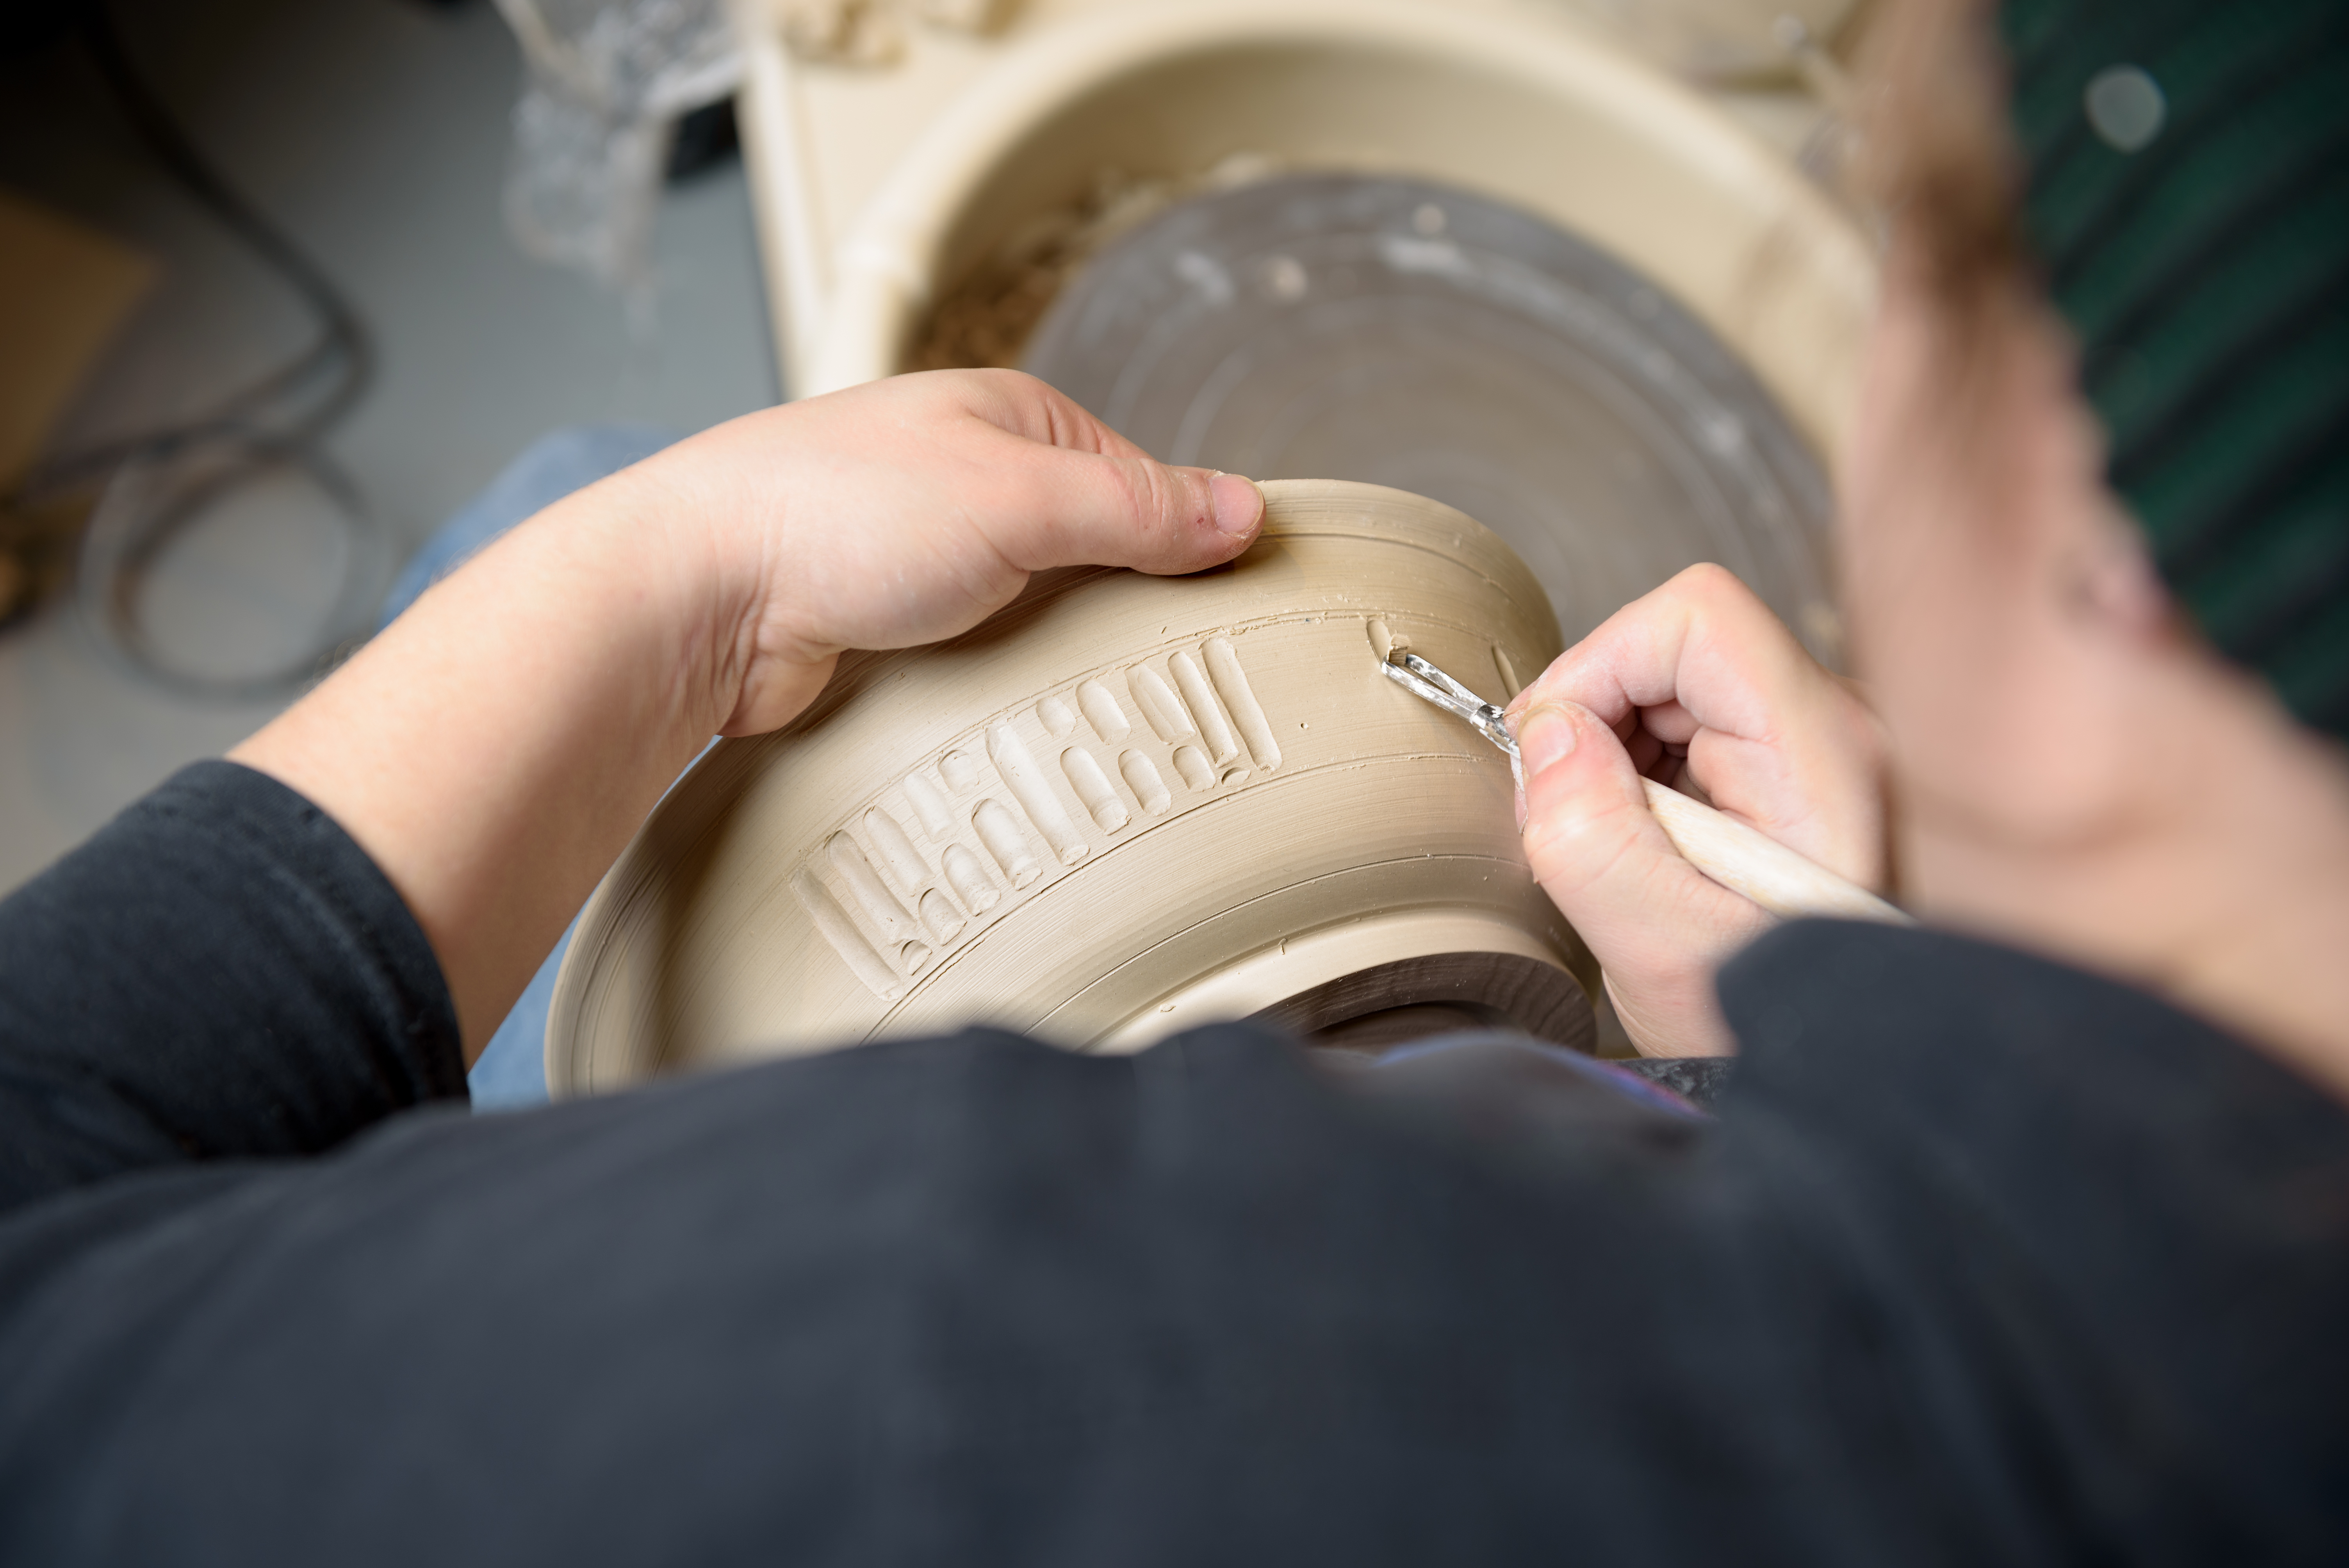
(663, 553)
(729, 558)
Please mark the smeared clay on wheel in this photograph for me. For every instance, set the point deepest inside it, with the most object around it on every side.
(1125, 806)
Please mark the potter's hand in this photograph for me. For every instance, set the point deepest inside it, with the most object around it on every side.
(496, 746)
(905, 511)
(1697, 685)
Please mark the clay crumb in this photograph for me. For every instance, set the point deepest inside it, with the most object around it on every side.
(1385, 641)
(986, 317)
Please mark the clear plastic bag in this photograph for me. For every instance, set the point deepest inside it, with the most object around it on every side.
(606, 81)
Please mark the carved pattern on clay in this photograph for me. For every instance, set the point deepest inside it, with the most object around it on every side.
(1101, 711)
(1190, 698)
(941, 918)
(1033, 790)
(880, 905)
(1141, 776)
(1005, 841)
(930, 807)
(1385, 639)
(969, 881)
(1231, 684)
(1092, 788)
(1212, 727)
(1201, 700)
(899, 859)
(1159, 705)
(1509, 684)
(846, 940)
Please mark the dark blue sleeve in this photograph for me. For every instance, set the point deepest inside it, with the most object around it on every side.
(2138, 1222)
(219, 972)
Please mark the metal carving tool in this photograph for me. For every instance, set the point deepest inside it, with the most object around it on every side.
(1424, 681)
(1744, 860)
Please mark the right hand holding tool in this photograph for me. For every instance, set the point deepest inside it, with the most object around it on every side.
(1700, 688)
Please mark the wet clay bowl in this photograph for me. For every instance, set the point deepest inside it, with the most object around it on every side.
(1125, 806)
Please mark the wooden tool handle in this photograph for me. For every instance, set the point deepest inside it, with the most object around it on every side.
(1744, 859)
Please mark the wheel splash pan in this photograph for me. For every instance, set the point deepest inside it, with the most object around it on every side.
(1410, 334)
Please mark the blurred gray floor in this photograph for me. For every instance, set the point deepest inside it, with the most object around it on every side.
(375, 131)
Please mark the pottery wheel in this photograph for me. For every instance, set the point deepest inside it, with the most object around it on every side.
(1124, 806)
(1413, 335)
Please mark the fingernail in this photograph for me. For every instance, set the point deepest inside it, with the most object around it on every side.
(1238, 504)
(1545, 736)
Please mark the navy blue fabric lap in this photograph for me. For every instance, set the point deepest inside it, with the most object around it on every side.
(1982, 1261)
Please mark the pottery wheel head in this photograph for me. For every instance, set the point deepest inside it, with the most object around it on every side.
(1125, 806)
(1419, 335)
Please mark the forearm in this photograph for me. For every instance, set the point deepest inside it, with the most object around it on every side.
(496, 747)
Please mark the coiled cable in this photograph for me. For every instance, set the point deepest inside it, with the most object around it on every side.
(160, 482)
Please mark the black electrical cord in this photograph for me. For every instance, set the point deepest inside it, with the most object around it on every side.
(162, 481)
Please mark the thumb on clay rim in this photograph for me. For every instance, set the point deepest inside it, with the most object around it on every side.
(1135, 512)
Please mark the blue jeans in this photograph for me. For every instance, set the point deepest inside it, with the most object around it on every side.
(513, 1068)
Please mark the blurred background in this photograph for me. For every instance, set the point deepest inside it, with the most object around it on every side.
(377, 134)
